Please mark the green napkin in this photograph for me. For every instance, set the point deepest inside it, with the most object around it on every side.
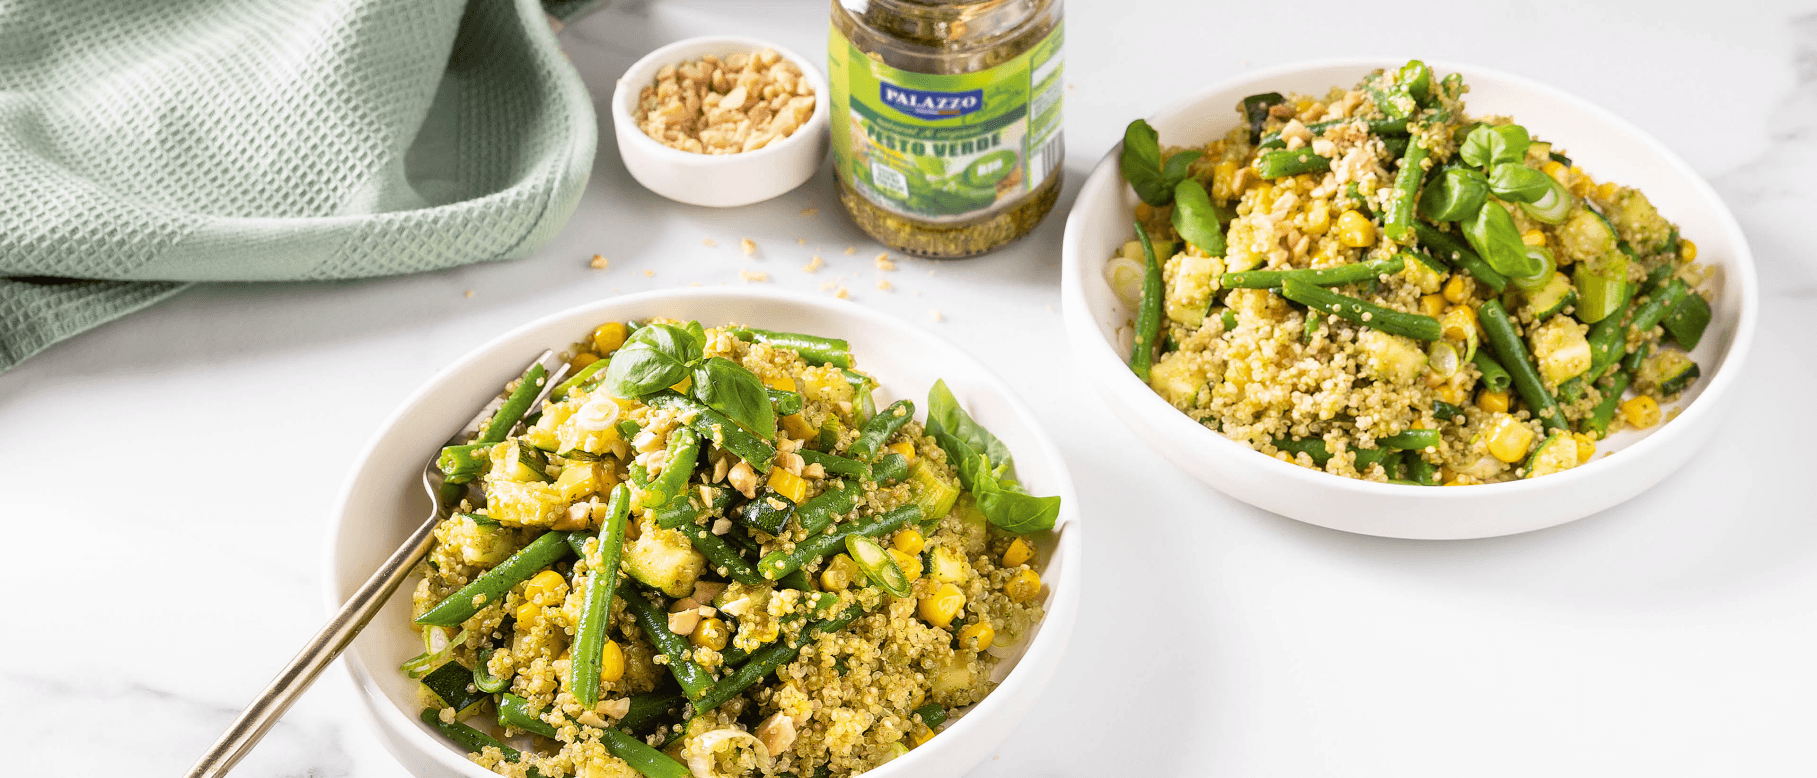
(145, 146)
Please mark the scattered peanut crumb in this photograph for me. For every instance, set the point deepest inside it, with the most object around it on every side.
(814, 265)
(649, 274)
(809, 211)
(843, 293)
(885, 285)
(801, 241)
(753, 275)
(827, 286)
(850, 250)
(710, 243)
(693, 283)
(884, 262)
(599, 262)
(934, 313)
(748, 246)
(469, 292)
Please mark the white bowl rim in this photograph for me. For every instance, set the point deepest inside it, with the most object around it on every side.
(1743, 272)
(1063, 594)
(625, 94)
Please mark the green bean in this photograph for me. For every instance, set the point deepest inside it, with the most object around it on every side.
(768, 513)
(1453, 250)
(596, 608)
(879, 428)
(1373, 456)
(460, 464)
(469, 739)
(1495, 377)
(723, 558)
(1422, 472)
(1631, 362)
(814, 349)
(785, 403)
(1410, 439)
(834, 464)
(891, 468)
(1397, 217)
(645, 709)
(1445, 411)
(1281, 162)
(779, 563)
(1571, 390)
(1148, 316)
(1324, 276)
(515, 406)
(1606, 339)
(1598, 420)
(515, 712)
(1513, 356)
(1376, 127)
(1312, 447)
(586, 374)
(931, 714)
(1648, 315)
(684, 453)
(679, 512)
(768, 659)
(693, 679)
(714, 426)
(1368, 314)
(641, 757)
(491, 586)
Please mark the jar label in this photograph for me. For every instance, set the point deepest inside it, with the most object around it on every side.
(946, 147)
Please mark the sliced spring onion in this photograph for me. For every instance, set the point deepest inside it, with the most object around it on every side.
(1443, 358)
(1541, 257)
(1125, 278)
(878, 565)
(439, 648)
(1553, 206)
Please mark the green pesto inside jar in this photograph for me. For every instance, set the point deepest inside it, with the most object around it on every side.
(946, 120)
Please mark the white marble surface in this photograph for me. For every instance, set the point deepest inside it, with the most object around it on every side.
(165, 490)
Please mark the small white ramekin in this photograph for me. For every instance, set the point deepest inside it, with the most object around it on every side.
(717, 180)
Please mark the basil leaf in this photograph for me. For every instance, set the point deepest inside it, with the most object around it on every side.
(1416, 78)
(1195, 218)
(1017, 512)
(1457, 194)
(1255, 110)
(696, 344)
(727, 387)
(944, 416)
(1493, 234)
(1486, 145)
(1515, 182)
(639, 368)
(1142, 168)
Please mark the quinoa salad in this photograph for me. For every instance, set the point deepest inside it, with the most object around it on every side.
(1374, 283)
(711, 554)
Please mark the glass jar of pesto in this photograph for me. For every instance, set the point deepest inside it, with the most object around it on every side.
(946, 119)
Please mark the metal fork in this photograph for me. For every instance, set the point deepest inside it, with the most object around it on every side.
(269, 706)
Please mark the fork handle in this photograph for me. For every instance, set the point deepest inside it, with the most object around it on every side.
(269, 706)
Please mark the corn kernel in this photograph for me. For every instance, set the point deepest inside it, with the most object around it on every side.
(1509, 439)
(839, 574)
(611, 662)
(977, 637)
(529, 614)
(1687, 250)
(1355, 230)
(910, 563)
(798, 427)
(781, 383)
(905, 448)
(1557, 171)
(1607, 191)
(1223, 180)
(942, 606)
(1640, 412)
(1454, 394)
(581, 361)
(920, 734)
(682, 386)
(789, 485)
(1144, 211)
(710, 633)
(1458, 289)
(1458, 324)
(1023, 586)
(609, 337)
(1432, 305)
(1533, 238)
(1492, 401)
(909, 541)
(1018, 553)
(1455, 482)
(1586, 446)
(546, 587)
(1318, 218)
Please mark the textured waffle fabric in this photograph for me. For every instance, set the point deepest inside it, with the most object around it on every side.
(145, 146)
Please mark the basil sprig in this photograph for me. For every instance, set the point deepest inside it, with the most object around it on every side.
(659, 356)
(1474, 196)
(985, 467)
(1142, 168)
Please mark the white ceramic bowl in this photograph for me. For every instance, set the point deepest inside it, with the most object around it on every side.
(383, 500)
(1604, 145)
(717, 180)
